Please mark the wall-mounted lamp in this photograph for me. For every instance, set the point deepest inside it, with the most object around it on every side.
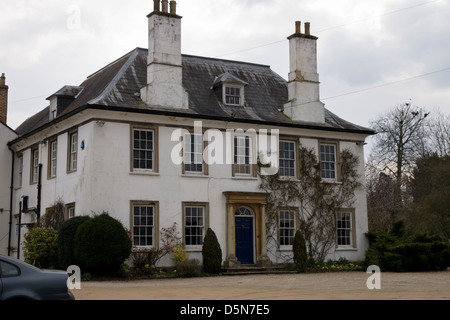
(100, 123)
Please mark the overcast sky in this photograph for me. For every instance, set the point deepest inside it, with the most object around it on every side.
(372, 54)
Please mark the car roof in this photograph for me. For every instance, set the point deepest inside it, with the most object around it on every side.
(18, 262)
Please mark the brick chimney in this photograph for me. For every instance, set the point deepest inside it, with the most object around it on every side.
(303, 83)
(164, 86)
(3, 99)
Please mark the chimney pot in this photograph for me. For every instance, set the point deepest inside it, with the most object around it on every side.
(298, 26)
(2, 79)
(173, 7)
(165, 6)
(308, 28)
(156, 5)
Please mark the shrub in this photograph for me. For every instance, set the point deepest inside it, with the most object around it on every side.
(189, 268)
(180, 255)
(212, 254)
(40, 248)
(66, 238)
(101, 245)
(299, 249)
(395, 252)
(144, 257)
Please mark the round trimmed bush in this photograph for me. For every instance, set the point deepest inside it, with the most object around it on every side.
(66, 239)
(212, 254)
(101, 245)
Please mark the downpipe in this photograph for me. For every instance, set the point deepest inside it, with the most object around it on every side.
(11, 199)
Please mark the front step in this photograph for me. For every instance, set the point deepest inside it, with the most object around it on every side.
(246, 270)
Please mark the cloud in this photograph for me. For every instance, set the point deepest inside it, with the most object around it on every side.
(361, 44)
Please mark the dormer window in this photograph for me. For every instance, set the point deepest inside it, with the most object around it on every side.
(61, 99)
(230, 89)
(232, 95)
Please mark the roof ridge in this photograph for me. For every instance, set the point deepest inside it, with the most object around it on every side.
(133, 54)
(112, 63)
(226, 60)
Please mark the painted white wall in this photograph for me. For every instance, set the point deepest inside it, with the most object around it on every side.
(6, 135)
(104, 180)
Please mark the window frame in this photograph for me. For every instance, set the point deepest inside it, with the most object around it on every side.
(335, 144)
(352, 230)
(236, 167)
(72, 151)
(154, 151)
(204, 166)
(67, 208)
(34, 165)
(204, 227)
(52, 161)
(20, 172)
(239, 96)
(296, 158)
(296, 222)
(155, 226)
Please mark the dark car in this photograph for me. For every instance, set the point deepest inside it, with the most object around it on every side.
(19, 280)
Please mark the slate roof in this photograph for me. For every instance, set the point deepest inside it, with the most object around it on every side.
(117, 86)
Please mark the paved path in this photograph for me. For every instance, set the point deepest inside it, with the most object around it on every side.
(322, 286)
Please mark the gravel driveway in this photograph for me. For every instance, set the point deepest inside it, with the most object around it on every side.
(320, 286)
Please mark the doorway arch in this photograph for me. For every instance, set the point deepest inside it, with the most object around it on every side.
(245, 235)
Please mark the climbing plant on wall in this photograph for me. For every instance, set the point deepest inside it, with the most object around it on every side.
(317, 200)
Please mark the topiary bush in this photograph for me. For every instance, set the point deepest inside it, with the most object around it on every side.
(40, 248)
(212, 253)
(66, 237)
(299, 249)
(101, 245)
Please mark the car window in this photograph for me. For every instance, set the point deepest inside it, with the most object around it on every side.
(8, 270)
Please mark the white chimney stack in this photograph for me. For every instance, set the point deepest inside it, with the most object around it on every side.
(164, 64)
(303, 83)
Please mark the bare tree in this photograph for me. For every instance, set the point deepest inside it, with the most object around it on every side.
(439, 134)
(400, 139)
(54, 216)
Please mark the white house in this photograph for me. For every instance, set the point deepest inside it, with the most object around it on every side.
(113, 144)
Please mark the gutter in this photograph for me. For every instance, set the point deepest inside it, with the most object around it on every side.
(186, 115)
(13, 156)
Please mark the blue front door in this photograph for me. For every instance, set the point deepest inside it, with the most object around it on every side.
(244, 240)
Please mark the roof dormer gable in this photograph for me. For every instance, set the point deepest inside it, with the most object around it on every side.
(230, 89)
(61, 99)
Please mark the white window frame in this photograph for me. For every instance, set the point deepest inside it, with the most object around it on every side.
(345, 229)
(242, 161)
(189, 222)
(53, 154)
(294, 159)
(73, 152)
(20, 170)
(147, 150)
(292, 227)
(326, 162)
(152, 225)
(232, 96)
(193, 153)
(34, 165)
(70, 211)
